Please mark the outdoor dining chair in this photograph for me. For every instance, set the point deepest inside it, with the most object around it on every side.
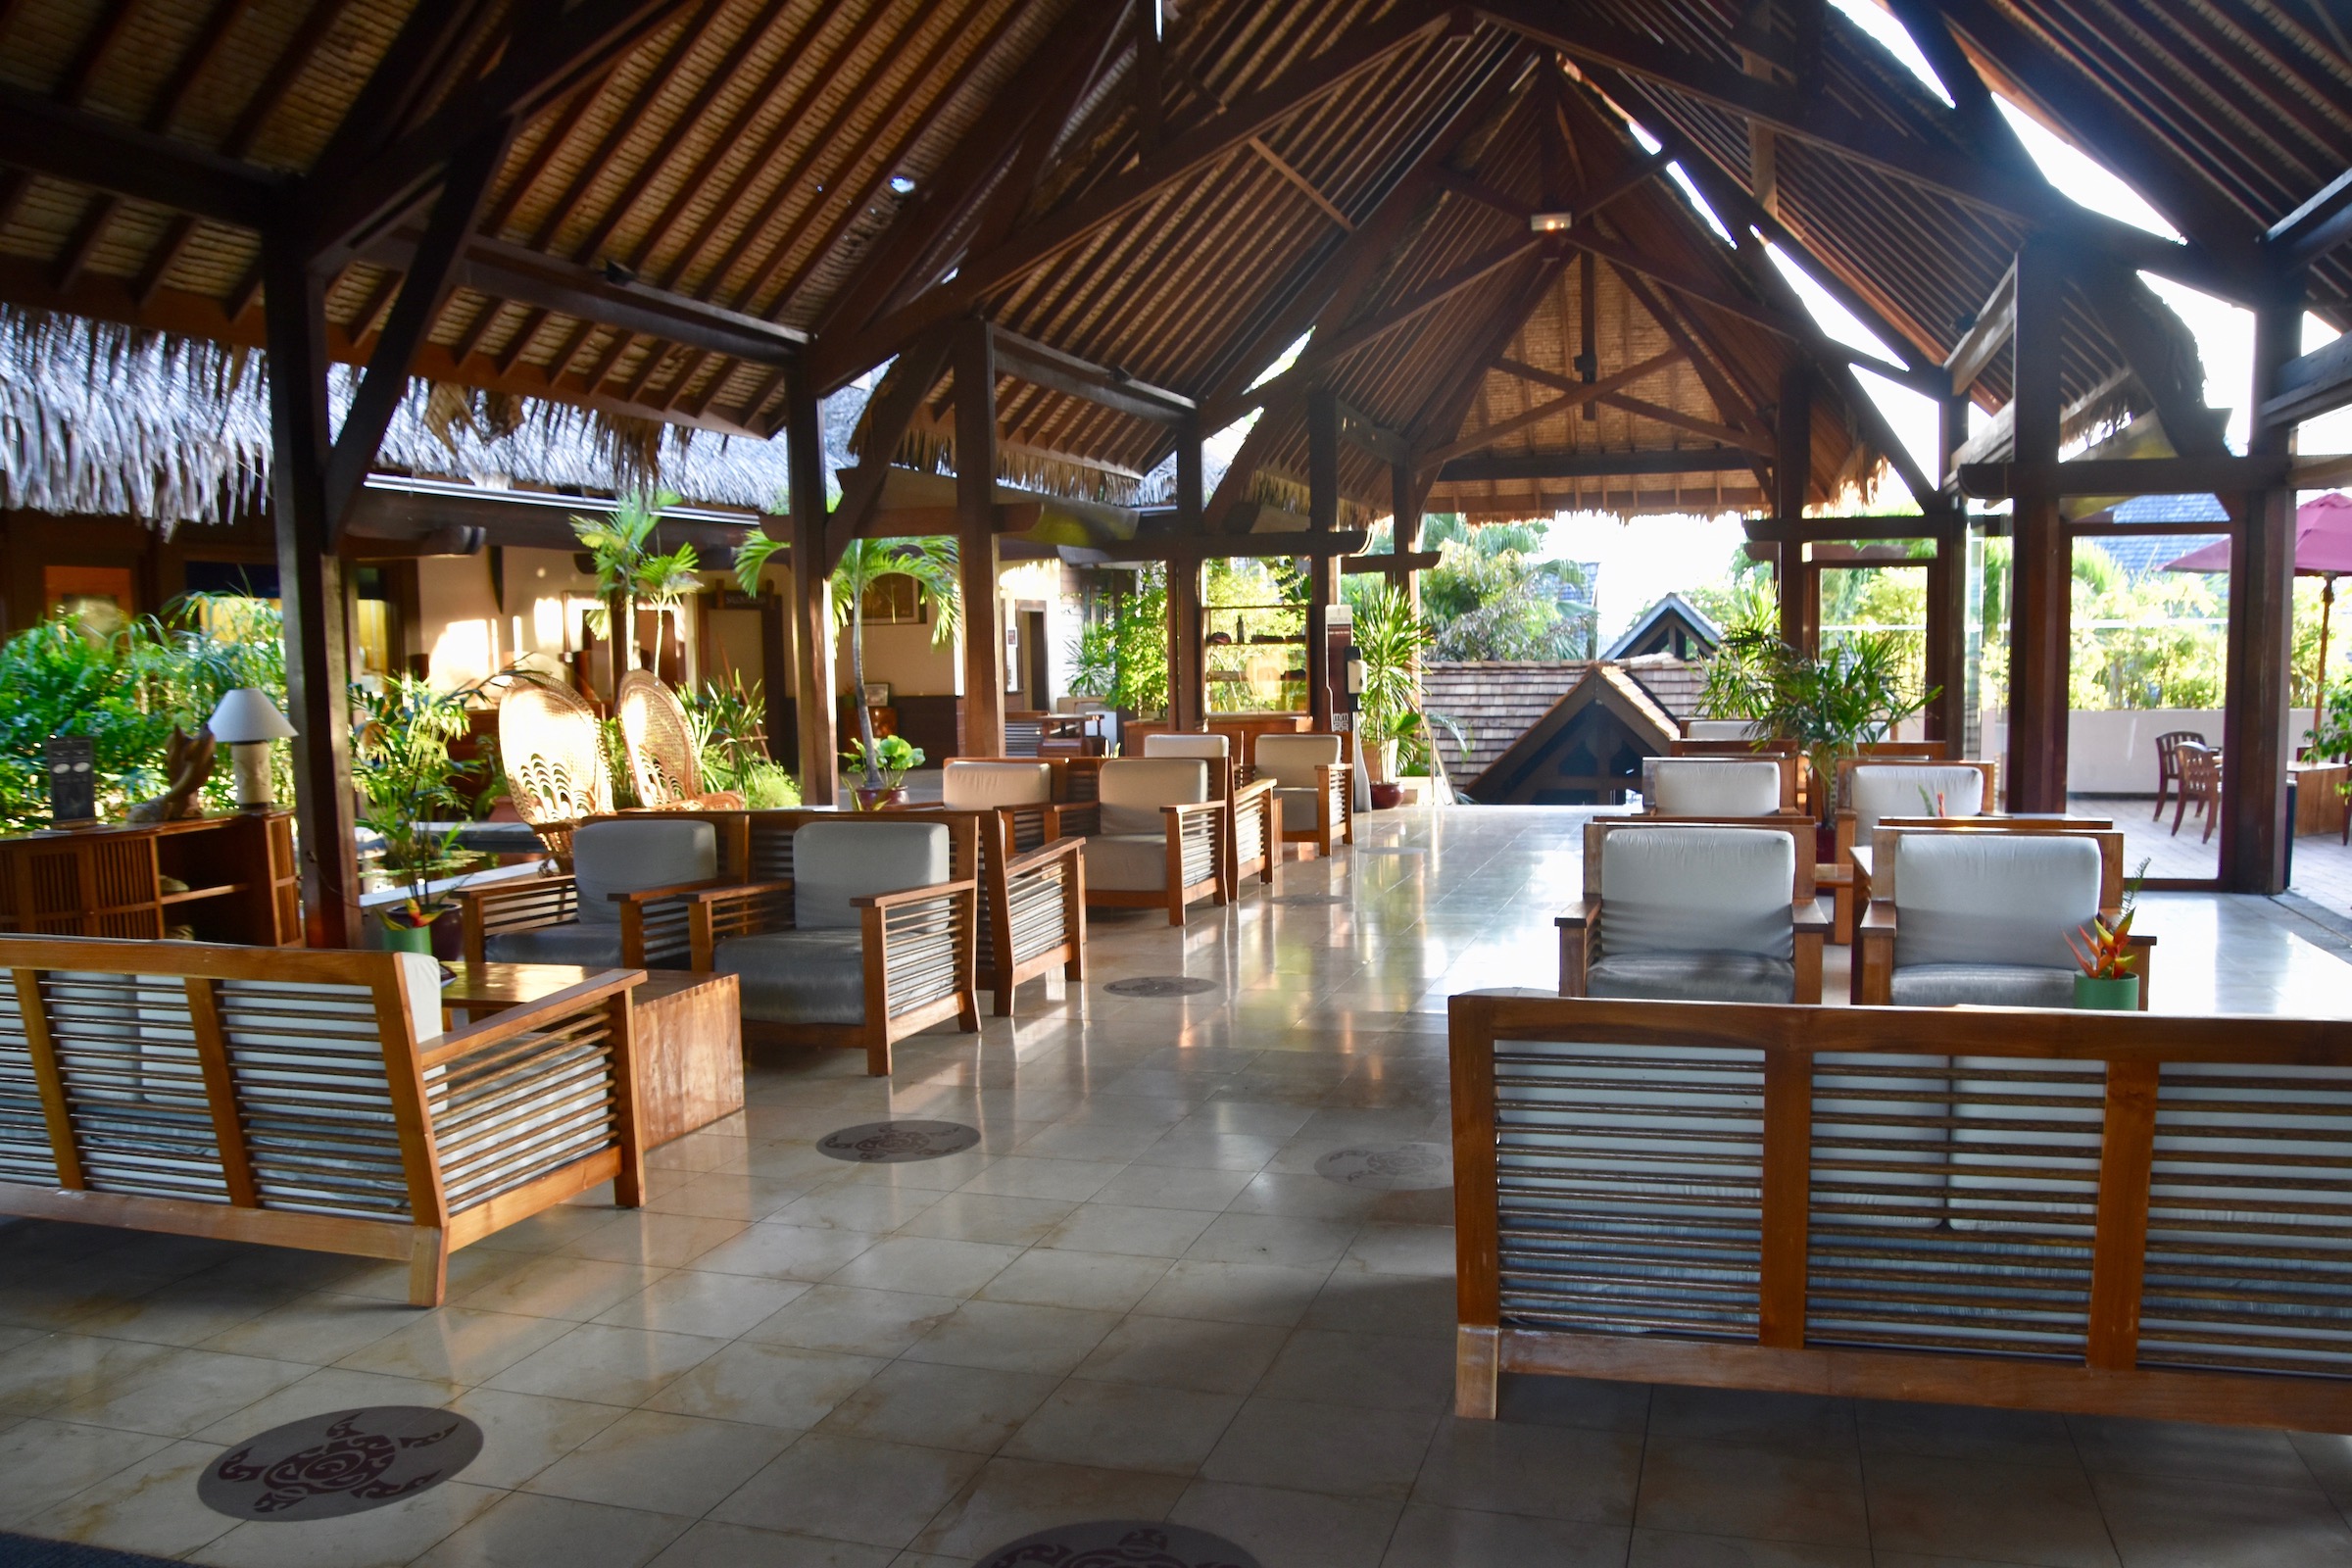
(2167, 765)
(2200, 785)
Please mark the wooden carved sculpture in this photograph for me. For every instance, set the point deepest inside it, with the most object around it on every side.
(551, 747)
(663, 760)
(187, 764)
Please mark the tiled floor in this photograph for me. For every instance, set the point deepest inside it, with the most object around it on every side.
(1134, 1299)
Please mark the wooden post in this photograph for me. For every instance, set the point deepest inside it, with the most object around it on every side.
(2041, 559)
(2255, 829)
(310, 586)
(811, 614)
(1405, 531)
(1188, 673)
(778, 688)
(976, 540)
(1791, 482)
(1322, 570)
(1946, 716)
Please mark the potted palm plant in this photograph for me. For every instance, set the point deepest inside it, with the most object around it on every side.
(399, 744)
(1389, 640)
(931, 566)
(630, 571)
(1831, 705)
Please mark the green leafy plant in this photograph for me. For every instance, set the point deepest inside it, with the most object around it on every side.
(630, 569)
(1389, 638)
(1832, 705)
(885, 762)
(1122, 657)
(929, 563)
(729, 727)
(401, 736)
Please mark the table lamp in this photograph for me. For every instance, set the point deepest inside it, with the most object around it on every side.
(248, 721)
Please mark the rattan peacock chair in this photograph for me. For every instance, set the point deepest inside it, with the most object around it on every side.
(551, 745)
(663, 760)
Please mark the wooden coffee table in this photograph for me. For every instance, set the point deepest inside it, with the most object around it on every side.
(689, 1031)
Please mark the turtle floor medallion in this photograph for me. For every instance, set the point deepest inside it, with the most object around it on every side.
(343, 1463)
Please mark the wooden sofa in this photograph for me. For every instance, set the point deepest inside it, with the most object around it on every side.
(304, 1099)
(1967, 1206)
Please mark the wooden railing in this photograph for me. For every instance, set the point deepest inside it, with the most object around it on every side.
(2104, 1212)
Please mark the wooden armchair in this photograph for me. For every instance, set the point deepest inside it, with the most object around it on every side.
(1159, 837)
(625, 902)
(550, 746)
(664, 762)
(1253, 838)
(1032, 886)
(1867, 788)
(1967, 916)
(1313, 785)
(860, 929)
(1719, 786)
(1696, 910)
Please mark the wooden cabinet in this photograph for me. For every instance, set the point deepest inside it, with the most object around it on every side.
(222, 878)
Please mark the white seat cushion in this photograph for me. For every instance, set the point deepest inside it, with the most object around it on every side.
(1722, 729)
(1906, 789)
(2008, 899)
(833, 862)
(1209, 748)
(1301, 810)
(1127, 863)
(1291, 761)
(1133, 789)
(1713, 786)
(981, 786)
(1685, 890)
(639, 853)
(1692, 977)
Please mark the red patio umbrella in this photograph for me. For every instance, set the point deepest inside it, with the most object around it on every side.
(2323, 549)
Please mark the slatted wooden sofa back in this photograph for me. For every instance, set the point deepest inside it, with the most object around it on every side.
(2102, 1212)
(302, 1099)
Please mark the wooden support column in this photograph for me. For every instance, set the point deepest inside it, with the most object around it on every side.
(1188, 673)
(811, 614)
(2255, 829)
(1405, 531)
(1322, 570)
(778, 683)
(1792, 478)
(310, 586)
(2041, 557)
(976, 540)
(1946, 716)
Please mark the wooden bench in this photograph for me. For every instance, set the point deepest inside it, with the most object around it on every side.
(2104, 1212)
(304, 1099)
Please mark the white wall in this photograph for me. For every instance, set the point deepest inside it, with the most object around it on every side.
(2113, 752)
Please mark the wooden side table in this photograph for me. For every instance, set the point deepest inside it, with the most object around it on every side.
(689, 1035)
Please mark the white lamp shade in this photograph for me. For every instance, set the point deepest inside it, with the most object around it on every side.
(247, 715)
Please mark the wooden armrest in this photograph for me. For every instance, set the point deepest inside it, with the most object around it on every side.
(1813, 918)
(730, 891)
(1256, 786)
(1877, 921)
(1580, 914)
(675, 890)
(1845, 823)
(936, 890)
(1195, 808)
(1045, 854)
(592, 992)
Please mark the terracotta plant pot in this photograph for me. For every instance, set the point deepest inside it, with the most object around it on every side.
(2119, 995)
(875, 800)
(1387, 797)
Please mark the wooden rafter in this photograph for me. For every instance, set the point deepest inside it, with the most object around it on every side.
(1575, 396)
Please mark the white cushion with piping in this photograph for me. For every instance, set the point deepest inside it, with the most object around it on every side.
(984, 786)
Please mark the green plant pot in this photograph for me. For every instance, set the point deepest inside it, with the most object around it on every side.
(400, 937)
(2120, 995)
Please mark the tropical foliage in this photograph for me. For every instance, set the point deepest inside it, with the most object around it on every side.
(627, 565)
(1854, 693)
(400, 740)
(127, 690)
(1491, 597)
(729, 725)
(1123, 655)
(885, 763)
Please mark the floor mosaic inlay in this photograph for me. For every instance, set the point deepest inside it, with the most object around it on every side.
(897, 1143)
(342, 1462)
(1120, 1543)
(1161, 985)
(1387, 1167)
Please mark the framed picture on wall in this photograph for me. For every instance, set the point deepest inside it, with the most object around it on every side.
(877, 694)
(892, 601)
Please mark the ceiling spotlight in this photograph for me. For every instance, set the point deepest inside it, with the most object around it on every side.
(901, 184)
(1550, 223)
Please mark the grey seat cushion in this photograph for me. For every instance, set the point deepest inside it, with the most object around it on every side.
(1679, 890)
(1692, 977)
(632, 855)
(834, 862)
(1127, 863)
(592, 945)
(798, 976)
(1300, 808)
(1981, 985)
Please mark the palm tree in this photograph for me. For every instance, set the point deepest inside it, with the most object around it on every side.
(930, 563)
(628, 570)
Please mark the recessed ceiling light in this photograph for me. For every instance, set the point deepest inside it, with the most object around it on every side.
(1550, 223)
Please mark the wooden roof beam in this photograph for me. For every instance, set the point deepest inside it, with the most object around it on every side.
(45, 137)
(2127, 477)
(1995, 325)
(1108, 385)
(544, 63)
(1820, 122)
(887, 419)
(1575, 395)
(1362, 429)
(1181, 158)
(1592, 465)
(1722, 434)
(2314, 228)
(2312, 385)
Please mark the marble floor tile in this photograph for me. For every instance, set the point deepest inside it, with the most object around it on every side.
(710, 1544)
(1378, 1371)
(846, 1488)
(969, 1408)
(1097, 1281)
(851, 1321)
(777, 1385)
(525, 1531)
(1069, 1181)
(1198, 1355)
(149, 1505)
(1014, 1337)
(926, 1265)
(1234, 1293)
(54, 1369)
(1553, 1472)
(1135, 1231)
(1692, 1486)
(456, 1344)
(1161, 1186)
(784, 1252)
(576, 1288)
(1447, 1538)
(990, 1217)
(325, 1389)
(607, 1364)
(1304, 1446)
(2177, 1522)
(2250, 1455)
(2026, 1513)
(320, 1327)
(1294, 1529)
(43, 1462)
(716, 1305)
(651, 1240)
(182, 1392)
(1010, 1499)
(1668, 1549)
(523, 1434)
(1124, 1426)
(664, 1463)
(381, 1537)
